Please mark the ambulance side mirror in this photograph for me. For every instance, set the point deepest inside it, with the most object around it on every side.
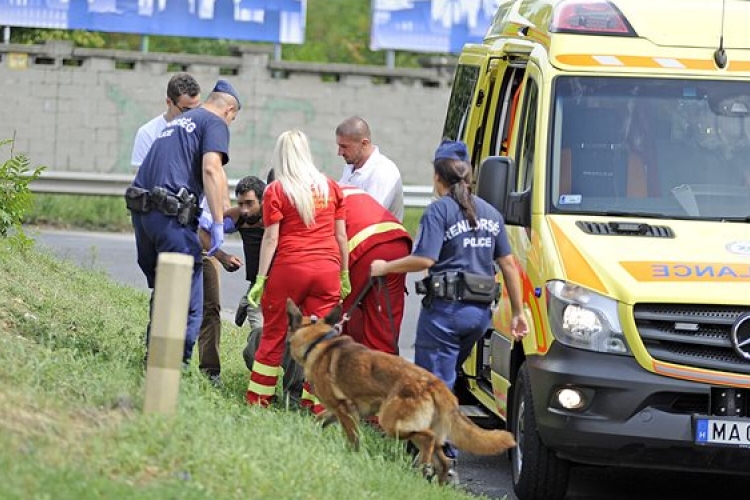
(518, 208)
(495, 179)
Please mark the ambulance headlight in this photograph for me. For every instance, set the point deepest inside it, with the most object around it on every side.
(584, 319)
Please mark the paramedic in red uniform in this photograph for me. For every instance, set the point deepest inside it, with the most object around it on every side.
(374, 233)
(305, 236)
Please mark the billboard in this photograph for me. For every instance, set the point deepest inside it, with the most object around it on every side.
(276, 21)
(430, 25)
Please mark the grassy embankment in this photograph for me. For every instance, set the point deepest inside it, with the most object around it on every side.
(108, 213)
(72, 426)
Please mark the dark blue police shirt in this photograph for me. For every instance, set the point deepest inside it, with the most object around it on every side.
(175, 159)
(444, 235)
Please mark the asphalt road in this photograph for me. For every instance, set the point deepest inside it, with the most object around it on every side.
(489, 476)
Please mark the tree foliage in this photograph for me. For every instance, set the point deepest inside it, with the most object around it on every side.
(15, 195)
(338, 31)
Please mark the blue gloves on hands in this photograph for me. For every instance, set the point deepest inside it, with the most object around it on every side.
(205, 222)
(217, 237)
(229, 226)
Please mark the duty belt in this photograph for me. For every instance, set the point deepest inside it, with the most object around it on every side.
(458, 286)
(183, 205)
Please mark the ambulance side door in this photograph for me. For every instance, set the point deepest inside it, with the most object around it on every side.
(471, 101)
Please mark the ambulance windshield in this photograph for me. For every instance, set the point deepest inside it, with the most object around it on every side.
(665, 147)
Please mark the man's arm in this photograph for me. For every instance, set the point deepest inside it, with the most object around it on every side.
(230, 262)
(215, 185)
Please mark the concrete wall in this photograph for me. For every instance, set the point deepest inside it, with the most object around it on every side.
(75, 109)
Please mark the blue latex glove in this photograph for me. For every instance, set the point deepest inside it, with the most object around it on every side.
(229, 226)
(217, 238)
(256, 292)
(205, 221)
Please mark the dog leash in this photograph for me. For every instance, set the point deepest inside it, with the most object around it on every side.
(380, 281)
(348, 314)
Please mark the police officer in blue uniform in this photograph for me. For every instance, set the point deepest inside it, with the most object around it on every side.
(185, 163)
(460, 239)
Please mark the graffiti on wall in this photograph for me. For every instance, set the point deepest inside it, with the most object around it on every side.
(252, 141)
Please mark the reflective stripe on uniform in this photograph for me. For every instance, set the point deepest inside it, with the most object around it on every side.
(260, 389)
(365, 233)
(263, 379)
(268, 371)
(347, 190)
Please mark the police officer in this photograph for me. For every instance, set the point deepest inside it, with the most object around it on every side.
(459, 239)
(184, 163)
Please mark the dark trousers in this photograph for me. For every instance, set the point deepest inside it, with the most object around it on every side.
(209, 338)
(156, 233)
(446, 334)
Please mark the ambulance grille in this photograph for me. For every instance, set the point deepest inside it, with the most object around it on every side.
(691, 335)
(625, 229)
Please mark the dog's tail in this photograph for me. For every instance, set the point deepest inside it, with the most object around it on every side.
(468, 436)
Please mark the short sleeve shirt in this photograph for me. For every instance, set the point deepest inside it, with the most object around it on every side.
(297, 242)
(445, 236)
(381, 178)
(145, 138)
(175, 160)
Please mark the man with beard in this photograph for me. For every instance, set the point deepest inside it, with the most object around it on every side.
(249, 192)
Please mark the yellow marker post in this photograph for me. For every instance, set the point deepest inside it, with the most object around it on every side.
(167, 340)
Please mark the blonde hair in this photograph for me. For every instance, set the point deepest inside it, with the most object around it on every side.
(300, 179)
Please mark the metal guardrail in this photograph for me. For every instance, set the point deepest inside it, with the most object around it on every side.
(95, 184)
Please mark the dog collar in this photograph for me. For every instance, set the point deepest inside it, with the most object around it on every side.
(328, 336)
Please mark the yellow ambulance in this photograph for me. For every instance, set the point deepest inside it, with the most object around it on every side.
(614, 136)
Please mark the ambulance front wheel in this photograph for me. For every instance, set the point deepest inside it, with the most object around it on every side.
(538, 474)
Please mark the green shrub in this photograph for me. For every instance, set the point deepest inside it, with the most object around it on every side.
(15, 195)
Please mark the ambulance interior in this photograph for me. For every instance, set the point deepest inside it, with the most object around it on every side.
(651, 147)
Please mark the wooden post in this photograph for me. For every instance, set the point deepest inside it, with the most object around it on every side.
(174, 272)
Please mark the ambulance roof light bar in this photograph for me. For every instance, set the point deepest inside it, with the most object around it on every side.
(590, 17)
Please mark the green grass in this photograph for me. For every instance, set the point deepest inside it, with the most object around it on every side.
(101, 213)
(108, 213)
(72, 426)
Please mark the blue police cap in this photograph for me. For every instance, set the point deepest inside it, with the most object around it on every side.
(225, 87)
(453, 150)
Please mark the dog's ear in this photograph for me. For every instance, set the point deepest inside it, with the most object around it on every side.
(294, 314)
(334, 315)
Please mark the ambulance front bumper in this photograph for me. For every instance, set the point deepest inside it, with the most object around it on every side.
(631, 417)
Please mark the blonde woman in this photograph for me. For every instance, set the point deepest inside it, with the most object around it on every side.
(305, 237)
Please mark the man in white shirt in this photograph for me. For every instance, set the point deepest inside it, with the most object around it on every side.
(183, 93)
(367, 168)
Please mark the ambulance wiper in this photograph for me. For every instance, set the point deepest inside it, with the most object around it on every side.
(744, 219)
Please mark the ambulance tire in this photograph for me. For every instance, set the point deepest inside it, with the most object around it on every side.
(538, 474)
(293, 373)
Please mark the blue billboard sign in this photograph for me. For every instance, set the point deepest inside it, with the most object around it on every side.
(277, 21)
(430, 25)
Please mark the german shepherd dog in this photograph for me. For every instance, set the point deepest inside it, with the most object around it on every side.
(354, 382)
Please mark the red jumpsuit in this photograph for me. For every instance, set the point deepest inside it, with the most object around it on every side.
(374, 233)
(305, 268)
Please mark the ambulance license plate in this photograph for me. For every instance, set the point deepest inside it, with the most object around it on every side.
(721, 431)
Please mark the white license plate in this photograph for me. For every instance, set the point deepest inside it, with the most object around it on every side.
(723, 431)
